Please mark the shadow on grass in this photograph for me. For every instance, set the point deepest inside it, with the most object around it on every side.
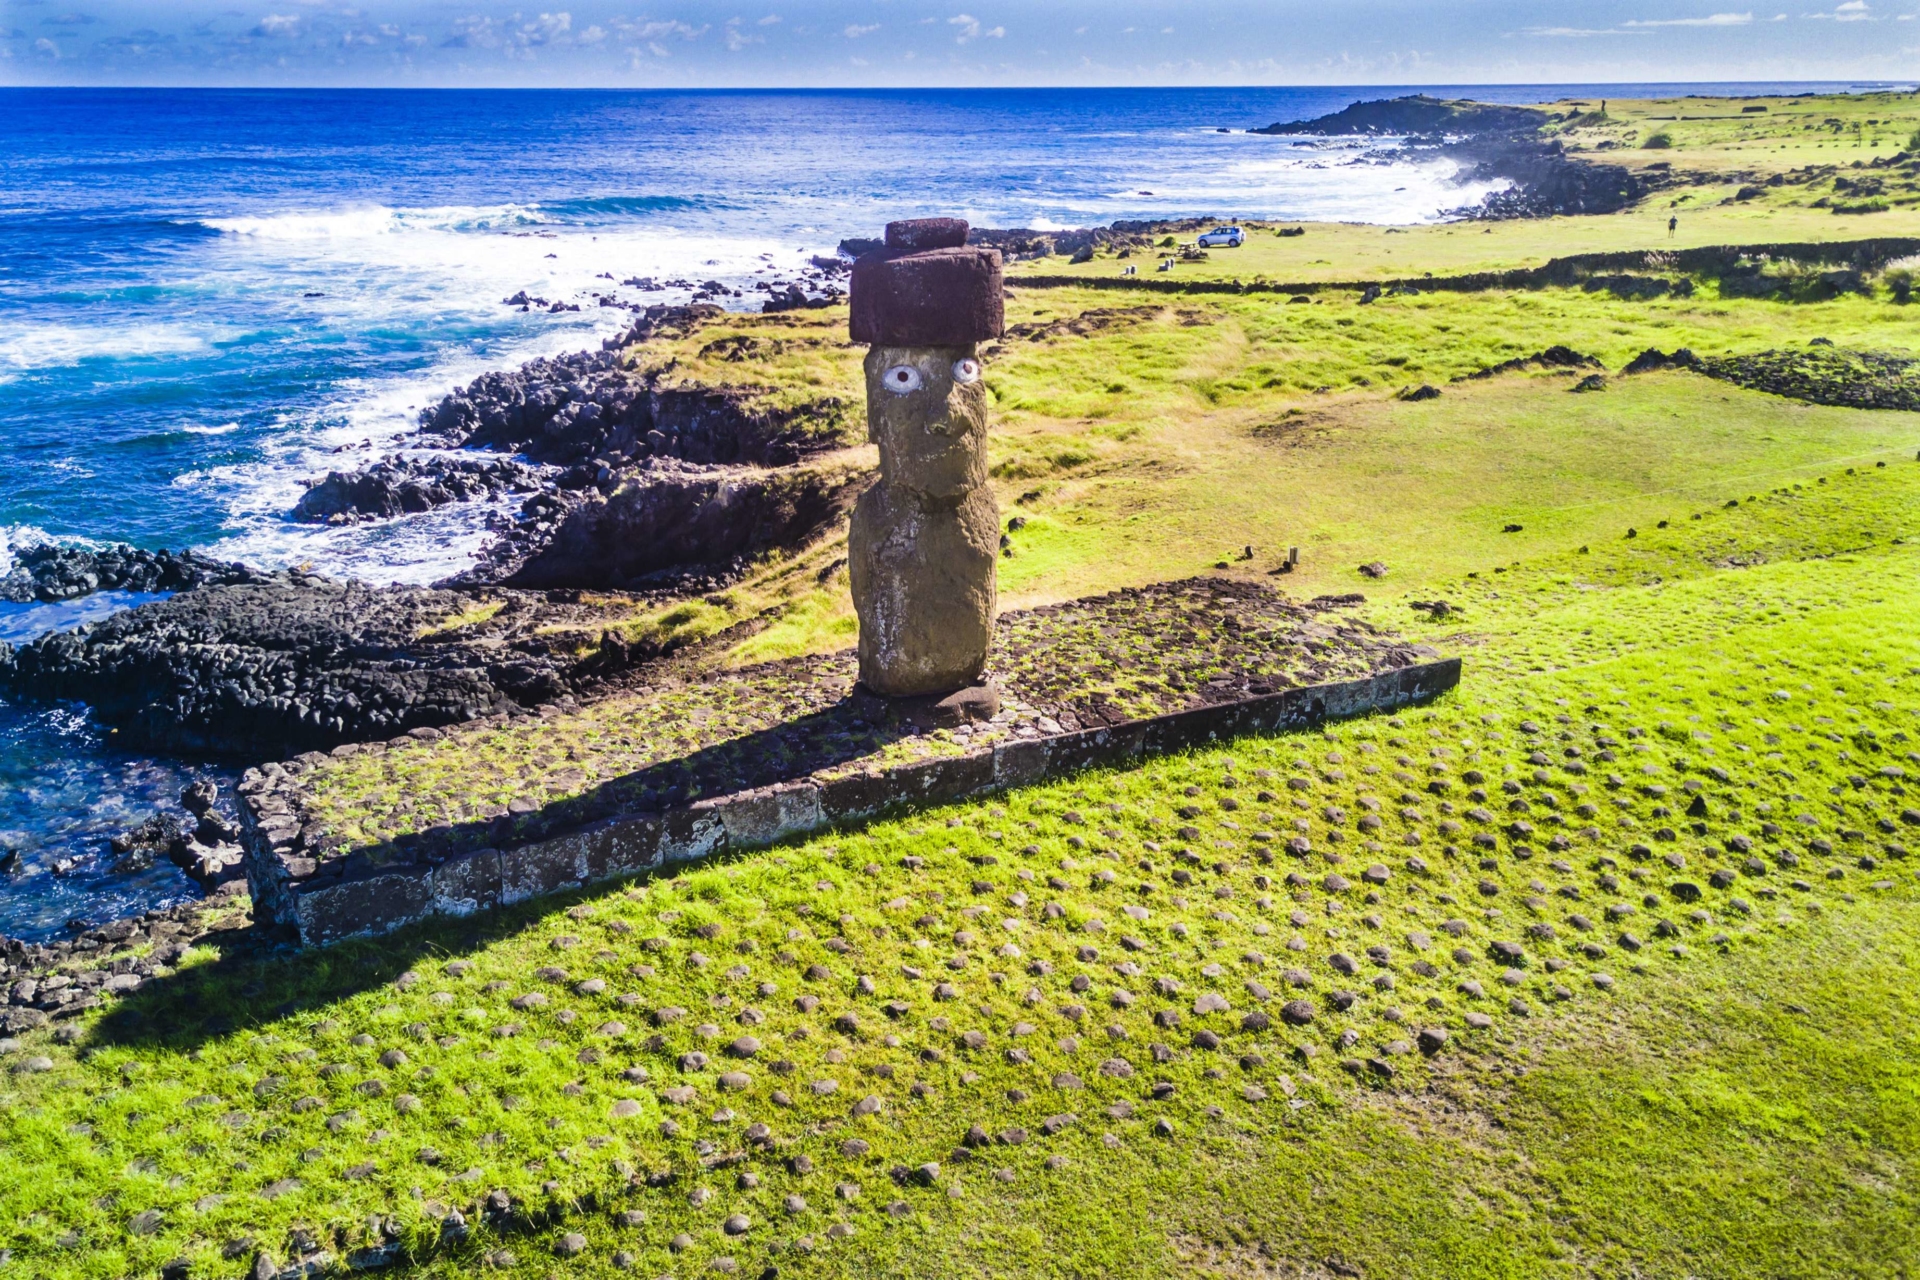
(1204, 657)
(857, 726)
(264, 976)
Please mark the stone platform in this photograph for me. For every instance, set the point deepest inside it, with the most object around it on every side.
(370, 837)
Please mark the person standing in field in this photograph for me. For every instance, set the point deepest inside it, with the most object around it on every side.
(1673, 225)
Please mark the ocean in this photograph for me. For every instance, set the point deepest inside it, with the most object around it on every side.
(211, 297)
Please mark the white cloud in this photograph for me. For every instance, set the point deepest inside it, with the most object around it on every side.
(771, 19)
(968, 24)
(388, 30)
(46, 48)
(658, 30)
(1851, 11)
(1711, 20)
(1578, 33)
(278, 24)
(854, 30)
(1644, 26)
(738, 39)
(470, 32)
(546, 28)
(592, 35)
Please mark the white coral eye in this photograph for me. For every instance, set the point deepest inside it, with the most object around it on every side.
(901, 379)
(966, 369)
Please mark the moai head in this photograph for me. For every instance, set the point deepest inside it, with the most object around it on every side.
(923, 542)
(927, 410)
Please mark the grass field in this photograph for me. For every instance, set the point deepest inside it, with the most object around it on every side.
(1599, 966)
(1717, 150)
(1142, 439)
(1731, 1093)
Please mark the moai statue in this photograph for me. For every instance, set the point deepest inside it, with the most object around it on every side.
(924, 541)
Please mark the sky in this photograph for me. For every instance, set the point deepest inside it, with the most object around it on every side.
(916, 43)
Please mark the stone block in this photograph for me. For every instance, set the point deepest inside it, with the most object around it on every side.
(362, 906)
(1021, 761)
(940, 780)
(466, 883)
(631, 845)
(1115, 746)
(771, 813)
(546, 866)
(856, 796)
(689, 834)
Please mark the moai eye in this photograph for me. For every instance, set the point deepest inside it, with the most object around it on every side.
(966, 369)
(901, 379)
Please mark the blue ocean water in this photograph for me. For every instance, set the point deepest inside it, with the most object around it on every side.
(209, 296)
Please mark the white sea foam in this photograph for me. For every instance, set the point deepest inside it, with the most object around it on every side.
(464, 258)
(33, 346)
(15, 538)
(364, 221)
(445, 270)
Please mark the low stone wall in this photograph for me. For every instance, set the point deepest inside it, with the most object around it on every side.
(384, 897)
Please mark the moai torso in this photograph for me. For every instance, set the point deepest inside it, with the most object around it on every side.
(923, 542)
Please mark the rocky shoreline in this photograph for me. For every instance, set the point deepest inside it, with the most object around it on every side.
(50, 574)
(1489, 143)
(53, 982)
(295, 661)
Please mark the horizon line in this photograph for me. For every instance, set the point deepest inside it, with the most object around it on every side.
(1911, 85)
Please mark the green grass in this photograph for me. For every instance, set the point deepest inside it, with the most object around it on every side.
(1171, 436)
(1688, 1120)
(1717, 151)
(1742, 1100)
